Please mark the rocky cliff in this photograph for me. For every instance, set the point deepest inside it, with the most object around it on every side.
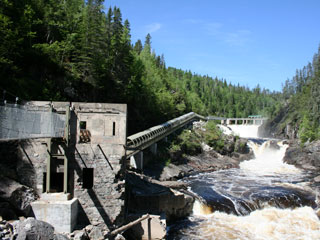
(306, 157)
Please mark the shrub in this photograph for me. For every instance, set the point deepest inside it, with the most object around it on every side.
(213, 136)
(187, 142)
(307, 130)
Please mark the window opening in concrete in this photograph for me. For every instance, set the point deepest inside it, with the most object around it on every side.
(56, 180)
(83, 125)
(114, 129)
(87, 175)
(85, 135)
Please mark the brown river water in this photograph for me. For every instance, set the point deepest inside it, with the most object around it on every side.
(264, 199)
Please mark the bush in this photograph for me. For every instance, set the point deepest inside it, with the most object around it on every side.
(307, 130)
(190, 142)
(213, 136)
(187, 142)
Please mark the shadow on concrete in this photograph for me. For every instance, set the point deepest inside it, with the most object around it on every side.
(26, 154)
(104, 155)
(83, 218)
(83, 162)
(100, 208)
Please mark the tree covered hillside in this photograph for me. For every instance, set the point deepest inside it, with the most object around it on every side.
(301, 100)
(74, 50)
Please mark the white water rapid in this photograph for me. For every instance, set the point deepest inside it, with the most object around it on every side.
(265, 224)
(264, 199)
(245, 131)
(268, 160)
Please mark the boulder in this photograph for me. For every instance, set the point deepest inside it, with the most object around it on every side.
(59, 236)
(6, 230)
(206, 147)
(32, 229)
(96, 234)
(172, 171)
(17, 195)
(317, 179)
(306, 157)
(274, 145)
(241, 146)
(229, 145)
(80, 235)
(148, 196)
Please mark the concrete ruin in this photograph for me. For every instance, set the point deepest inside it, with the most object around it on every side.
(81, 177)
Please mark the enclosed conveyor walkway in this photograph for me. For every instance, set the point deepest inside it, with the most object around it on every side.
(140, 141)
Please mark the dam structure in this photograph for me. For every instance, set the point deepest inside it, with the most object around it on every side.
(250, 127)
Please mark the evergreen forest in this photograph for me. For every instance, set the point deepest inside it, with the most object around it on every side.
(76, 50)
(301, 100)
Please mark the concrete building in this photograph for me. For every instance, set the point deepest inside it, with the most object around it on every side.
(80, 178)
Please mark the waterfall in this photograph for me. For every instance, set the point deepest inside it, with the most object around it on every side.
(245, 131)
(200, 208)
(268, 159)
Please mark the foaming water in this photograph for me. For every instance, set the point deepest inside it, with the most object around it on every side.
(264, 199)
(226, 130)
(239, 192)
(201, 209)
(268, 159)
(268, 223)
(245, 131)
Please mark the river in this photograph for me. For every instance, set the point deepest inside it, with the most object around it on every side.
(263, 199)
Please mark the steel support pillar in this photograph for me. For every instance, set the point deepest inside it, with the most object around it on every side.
(136, 161)
(66, 139)
(48, 177)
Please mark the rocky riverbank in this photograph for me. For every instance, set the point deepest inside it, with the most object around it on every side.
(208, 160)
(209, 150)
(306, 157)
(32, 229)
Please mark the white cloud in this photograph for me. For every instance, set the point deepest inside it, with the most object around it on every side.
(151, 28)
(214, 28)
(192, 21)
(238, 38)
(235, 38)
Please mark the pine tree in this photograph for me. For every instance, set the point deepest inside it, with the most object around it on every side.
(138, 47)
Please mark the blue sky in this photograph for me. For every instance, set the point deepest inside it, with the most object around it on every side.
(248, 42)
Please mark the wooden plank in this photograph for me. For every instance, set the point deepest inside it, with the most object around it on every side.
(48, 165)
(129, 225)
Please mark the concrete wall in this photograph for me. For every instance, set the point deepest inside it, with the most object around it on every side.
(103, 204)
(61, 214)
